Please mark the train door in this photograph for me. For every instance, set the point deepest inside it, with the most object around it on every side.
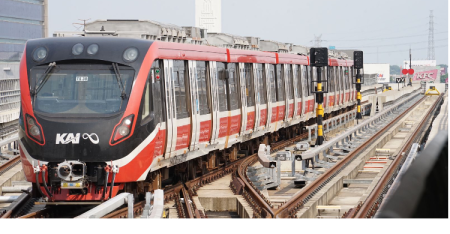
(303, 75)
(347, 86)
(297, 91)
(332, 97)
(247, 91)
(341, 84)
(289, 90)
(178, 124)
(200, 105)
(156, 97)
(351, 77)
(272, 95)
(281, 95)
(220, 103)
(261, 97)
(234, 112)
(309, 101)
(326, 95)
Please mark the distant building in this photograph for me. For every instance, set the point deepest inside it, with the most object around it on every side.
(20, 20)
(419, 63)
(381, 70)
(208, 15)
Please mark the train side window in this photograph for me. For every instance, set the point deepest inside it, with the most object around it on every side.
(152, 98)
(344, 69)
(331, 78)
(307, 75)
(299, 82)
(280, 82)
(222, 86)
(232, 87)
(273, 94)
(202, 88)
(262, 90)
(146, 98)
(180, 88)
(249, 89)
(290, 87)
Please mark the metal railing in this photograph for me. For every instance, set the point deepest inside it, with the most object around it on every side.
(423, 189)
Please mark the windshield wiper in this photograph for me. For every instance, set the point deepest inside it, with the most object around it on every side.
(119, 80)
(43, 79)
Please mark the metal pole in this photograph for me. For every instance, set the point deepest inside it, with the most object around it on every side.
(358, 95)
(319, 110)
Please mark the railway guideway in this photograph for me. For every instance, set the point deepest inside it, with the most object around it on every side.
(394, 140)
(323, 185)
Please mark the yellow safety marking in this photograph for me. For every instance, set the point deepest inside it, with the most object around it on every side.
(319, 110)
(319, 86)
(319, 130)
(359, 109)
(358, 95)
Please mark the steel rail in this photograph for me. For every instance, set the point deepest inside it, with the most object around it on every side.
(263, 209)
(369, 207)
(17, 205)
(9, 164)
(123, 213)
(289, 208)
(187, 198)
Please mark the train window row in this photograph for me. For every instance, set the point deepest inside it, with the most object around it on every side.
(228, 83)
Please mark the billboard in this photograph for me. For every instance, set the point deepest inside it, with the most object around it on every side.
(208, 15)
(381, 70)
(419, 63)
(429, 74)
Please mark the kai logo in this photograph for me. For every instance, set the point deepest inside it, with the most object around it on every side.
(66, 138)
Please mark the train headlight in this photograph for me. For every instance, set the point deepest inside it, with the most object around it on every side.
(130, 54)
(40, 54)
(34, 131)
(92, 49)
(77, 49)
(123, 129)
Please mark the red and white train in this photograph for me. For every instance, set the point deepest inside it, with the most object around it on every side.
(102, 115)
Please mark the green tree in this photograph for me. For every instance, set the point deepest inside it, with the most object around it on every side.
(394, 70)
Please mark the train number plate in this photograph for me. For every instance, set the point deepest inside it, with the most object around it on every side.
(82, 78)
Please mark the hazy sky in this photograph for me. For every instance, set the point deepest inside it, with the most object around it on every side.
(383, 29)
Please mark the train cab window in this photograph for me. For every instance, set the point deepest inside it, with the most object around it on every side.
(262, 91)
(202, 87)
(290, 86)
(249, 89)
(280, 82)
(273, 91)
(222, 86)
(180, 88)
(81, 89)
(232, 87)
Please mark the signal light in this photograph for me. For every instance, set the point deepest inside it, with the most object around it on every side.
(358, 59)
(34, 131)
(123, 129)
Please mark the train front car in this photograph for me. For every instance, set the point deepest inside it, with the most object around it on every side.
(78, 124)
